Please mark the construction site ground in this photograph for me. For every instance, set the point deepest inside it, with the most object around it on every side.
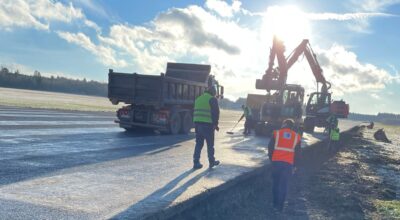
(58, 164)
(361, 181)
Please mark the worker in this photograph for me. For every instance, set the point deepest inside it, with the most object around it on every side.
(334, 139)
(332, 122)
(283, 150)
(205, 118)
(247, 114)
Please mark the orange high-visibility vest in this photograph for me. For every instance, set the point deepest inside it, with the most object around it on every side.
(285, 143)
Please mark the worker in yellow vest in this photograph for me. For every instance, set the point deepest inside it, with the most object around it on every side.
(247, 114)
(334, 138)
(205, 118)
(283, 150)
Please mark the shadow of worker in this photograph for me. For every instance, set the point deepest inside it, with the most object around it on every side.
(162, 198)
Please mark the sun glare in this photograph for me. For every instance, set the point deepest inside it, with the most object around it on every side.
(288, 23)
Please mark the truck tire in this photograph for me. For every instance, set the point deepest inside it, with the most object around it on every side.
(174, 125)
(187, 123)
(309, 125)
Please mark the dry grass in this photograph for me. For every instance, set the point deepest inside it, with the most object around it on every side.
(53, 100)
(388, 209)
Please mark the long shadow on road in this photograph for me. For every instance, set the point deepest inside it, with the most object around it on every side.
(161, 198)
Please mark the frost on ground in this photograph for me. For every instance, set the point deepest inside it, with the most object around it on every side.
(361, 181)
(53, 100)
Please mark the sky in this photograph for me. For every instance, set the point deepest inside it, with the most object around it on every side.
(356, 41)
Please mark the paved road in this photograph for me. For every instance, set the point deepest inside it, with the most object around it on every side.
(79, 165)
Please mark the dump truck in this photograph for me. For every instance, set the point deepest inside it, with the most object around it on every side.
(162, 102)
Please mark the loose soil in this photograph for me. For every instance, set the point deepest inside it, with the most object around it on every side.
(360, 181)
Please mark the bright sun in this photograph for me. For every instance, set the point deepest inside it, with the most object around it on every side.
(288, 23)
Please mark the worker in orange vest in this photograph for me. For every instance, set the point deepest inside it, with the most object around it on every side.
(283, 150)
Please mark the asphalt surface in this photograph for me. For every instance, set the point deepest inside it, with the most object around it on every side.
(80, 165)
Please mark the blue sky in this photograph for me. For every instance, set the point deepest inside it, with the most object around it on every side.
(356, 42)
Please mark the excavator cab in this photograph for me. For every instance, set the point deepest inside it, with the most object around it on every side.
(282, 104)
(318, 102)
(319, 107)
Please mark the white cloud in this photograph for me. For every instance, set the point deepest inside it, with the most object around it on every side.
(373, 5)
(223, 8)
(375, 96)
(35, 13)
(93, 6)
(105, 54)
(348, 74)
(93, 25)
(39, 14)
(368, 6)
(346, 16)
(174, 35)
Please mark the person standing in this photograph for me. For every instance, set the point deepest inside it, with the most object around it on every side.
(283, 150)
(248, 116)
(205, 118)
(334, 138)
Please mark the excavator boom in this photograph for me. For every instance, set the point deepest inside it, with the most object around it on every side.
(275, 78)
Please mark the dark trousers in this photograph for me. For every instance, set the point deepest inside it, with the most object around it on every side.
(281, 173)
(333, 145)
(204, 131)
(247, 125)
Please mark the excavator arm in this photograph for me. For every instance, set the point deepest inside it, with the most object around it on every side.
(275, 78)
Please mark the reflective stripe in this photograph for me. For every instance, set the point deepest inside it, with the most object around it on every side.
(284, 149)
(276, 139)
(295, 141)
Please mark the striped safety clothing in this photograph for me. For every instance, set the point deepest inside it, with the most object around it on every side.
(202, 109)
(285, 143)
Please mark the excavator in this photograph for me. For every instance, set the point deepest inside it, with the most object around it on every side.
(287, 100)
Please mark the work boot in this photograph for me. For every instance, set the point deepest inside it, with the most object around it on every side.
(213, 164)
(197, 166)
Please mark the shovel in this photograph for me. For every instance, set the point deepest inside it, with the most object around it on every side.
(230, 132)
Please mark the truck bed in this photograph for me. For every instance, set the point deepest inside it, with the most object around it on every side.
(180, 85)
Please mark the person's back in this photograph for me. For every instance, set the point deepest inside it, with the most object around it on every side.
(283, 149)
(205, 118)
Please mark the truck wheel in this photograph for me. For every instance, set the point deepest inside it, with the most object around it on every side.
(175, 123)
(309, 125)
(187, 123)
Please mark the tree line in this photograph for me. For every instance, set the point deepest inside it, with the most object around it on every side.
(36, 81)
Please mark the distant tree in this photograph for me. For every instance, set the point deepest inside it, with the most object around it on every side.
(37, 77)
(4, 70)
(52, 83)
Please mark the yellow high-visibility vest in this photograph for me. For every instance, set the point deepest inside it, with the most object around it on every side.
(202, 109)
